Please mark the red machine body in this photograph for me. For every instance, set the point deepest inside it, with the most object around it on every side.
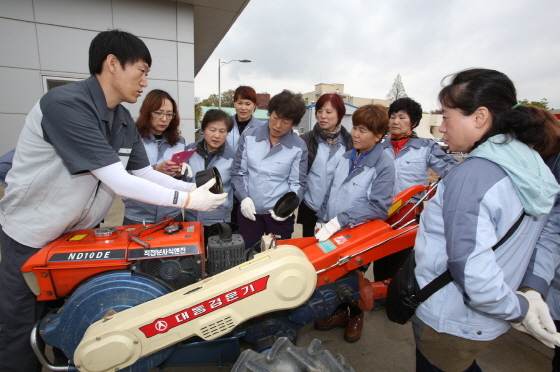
(63, 265)
(60, 267)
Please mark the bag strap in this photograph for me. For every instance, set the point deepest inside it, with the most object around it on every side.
(446, 278)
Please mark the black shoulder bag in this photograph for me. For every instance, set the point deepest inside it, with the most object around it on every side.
(404, 295)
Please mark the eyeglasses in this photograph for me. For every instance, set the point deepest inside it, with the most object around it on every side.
(160, 114)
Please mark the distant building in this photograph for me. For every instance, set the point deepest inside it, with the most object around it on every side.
(262, 115)
(262, 101)
(322, 88)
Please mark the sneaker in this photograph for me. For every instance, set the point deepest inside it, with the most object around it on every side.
(337, 319)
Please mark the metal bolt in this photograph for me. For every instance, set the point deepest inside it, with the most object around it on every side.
(41, 332)
(359, 261)
(44, 275)
(327, 280)
(49, 293)
(187, 236)
(149, 238)
(48, 320)
(78, 366)
(97, 338)
(479, 332)
(135, 341)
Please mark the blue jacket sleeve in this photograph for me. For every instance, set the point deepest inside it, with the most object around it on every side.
(239, 171)
(380, 196)
(439, 161)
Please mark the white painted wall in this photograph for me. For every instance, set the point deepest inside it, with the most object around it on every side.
(52, 37)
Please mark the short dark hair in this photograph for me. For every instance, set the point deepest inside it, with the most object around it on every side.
(410, 106)
(336, 102)
(287, 105)
(373, 117)
(152, 102)
(123, 45)
(473, 88)
(245, 92)
(216, 115)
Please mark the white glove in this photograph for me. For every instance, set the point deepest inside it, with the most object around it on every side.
(248, 209)
(318, 226)
(273, 215)
(328, 229)
(538, 322)
(186, 170)
(203, 200)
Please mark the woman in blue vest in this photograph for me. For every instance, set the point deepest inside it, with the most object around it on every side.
(361, 190)
(212, 150)
(413, 158)
(477, 202)
(245, 104)
(271, 160)
(158, 125)
(325, 145)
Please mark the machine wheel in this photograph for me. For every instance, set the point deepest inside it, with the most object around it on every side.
(285, 357)
(111, 291)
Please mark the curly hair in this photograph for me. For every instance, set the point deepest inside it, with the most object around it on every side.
(373, 117)
(287, 105)
(477, 87)
(410, 106)
(153, 102)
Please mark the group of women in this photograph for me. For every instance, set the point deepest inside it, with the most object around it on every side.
(344, 179)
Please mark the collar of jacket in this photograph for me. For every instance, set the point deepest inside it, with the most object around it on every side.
(412, 142)
(371, 159)
(263, 133)
(202, 151)
(252, 120)
(100, 101)
(151, 138)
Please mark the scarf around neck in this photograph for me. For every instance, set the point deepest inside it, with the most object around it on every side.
(532, 179)
(329, 137)
(398, 141)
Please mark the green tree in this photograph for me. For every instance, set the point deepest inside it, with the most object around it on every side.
(212, 100)
(197, 115)
(543, 103)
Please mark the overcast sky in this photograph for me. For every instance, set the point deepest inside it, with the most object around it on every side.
(295, 44)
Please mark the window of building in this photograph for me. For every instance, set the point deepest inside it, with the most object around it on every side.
(51, 82)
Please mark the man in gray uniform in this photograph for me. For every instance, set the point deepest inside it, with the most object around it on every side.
(71, 159)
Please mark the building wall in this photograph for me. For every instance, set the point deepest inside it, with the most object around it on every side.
(50, 38)
(320, 89)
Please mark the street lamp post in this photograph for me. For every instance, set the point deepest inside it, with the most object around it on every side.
(220, 64)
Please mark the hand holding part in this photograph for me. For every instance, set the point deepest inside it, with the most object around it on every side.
(248, 209)
(280, 219)
(318, 226)
(328, 230)
(538, 322)
(203, 200)
(168, 167)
